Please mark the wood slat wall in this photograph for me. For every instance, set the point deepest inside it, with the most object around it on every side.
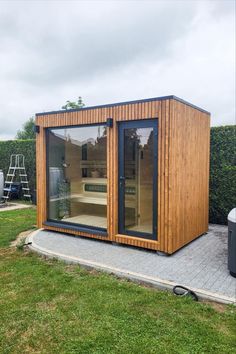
(180, 129)
(188, 174)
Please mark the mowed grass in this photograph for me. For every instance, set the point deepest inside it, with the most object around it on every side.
(15, 221)
(50, 307)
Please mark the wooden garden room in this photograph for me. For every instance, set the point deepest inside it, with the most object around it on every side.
(134, 172)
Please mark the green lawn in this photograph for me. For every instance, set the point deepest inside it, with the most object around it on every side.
(50, 307)
(15, 221)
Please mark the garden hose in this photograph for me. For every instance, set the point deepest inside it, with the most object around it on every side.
(27, 244)
(180, 290)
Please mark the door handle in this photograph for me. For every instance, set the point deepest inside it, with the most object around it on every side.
(122, 180)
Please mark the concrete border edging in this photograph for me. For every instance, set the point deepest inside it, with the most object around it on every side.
(121, 273)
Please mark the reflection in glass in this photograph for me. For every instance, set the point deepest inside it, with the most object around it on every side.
(77, 175)
(138, 167)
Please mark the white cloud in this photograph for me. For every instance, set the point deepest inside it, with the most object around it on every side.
(115, 51)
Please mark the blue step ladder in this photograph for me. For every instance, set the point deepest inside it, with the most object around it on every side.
(16, 169)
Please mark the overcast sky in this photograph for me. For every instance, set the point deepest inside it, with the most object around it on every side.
(112, 51)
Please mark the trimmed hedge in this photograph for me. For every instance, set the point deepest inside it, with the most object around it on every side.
(222, 173)
(25, 147)
(222, 168)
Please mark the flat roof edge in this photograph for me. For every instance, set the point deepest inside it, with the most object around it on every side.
(162, 98)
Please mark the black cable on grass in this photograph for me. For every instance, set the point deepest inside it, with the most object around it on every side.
(27, 244)
(180, 290)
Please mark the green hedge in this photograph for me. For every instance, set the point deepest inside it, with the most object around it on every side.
(222, 173)
(222, 168)
(25, 147)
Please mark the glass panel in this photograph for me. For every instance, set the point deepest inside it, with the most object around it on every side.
(77, 175)
(138, 168)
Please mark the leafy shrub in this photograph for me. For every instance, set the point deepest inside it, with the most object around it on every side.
(222, 173)
(25, 147)
(222, 168)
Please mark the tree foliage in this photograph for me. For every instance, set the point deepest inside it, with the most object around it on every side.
(222, 168)
(74, 105)
(25, 147)
(27, 131)
(222, 173)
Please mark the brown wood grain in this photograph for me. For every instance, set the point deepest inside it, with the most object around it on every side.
(189, 175)
(183, 169)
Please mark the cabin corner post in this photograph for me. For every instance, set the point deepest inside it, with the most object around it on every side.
(171, 171)
(41, 175)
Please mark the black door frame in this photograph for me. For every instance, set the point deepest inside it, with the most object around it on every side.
(144, 123)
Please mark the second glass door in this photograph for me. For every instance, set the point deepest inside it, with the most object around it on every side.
(138, 178)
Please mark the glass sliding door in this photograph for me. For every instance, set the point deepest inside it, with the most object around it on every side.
(77, 176)
(138, 178)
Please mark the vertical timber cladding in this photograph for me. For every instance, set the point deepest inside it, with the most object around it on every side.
(183, 168)
(188, 174)
(135, 111)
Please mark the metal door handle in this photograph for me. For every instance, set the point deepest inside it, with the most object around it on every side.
(122, 180)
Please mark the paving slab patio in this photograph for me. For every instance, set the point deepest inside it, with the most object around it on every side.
(200, 266)
(13, 206)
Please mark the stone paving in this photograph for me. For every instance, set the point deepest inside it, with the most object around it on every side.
(201, 265)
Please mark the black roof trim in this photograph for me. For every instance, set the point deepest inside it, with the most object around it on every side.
(124, 103)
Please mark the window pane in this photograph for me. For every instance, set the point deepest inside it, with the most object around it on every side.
(77, 175)
(138, 165)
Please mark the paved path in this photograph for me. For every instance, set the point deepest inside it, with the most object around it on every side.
(201, 265)
(14, 206)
